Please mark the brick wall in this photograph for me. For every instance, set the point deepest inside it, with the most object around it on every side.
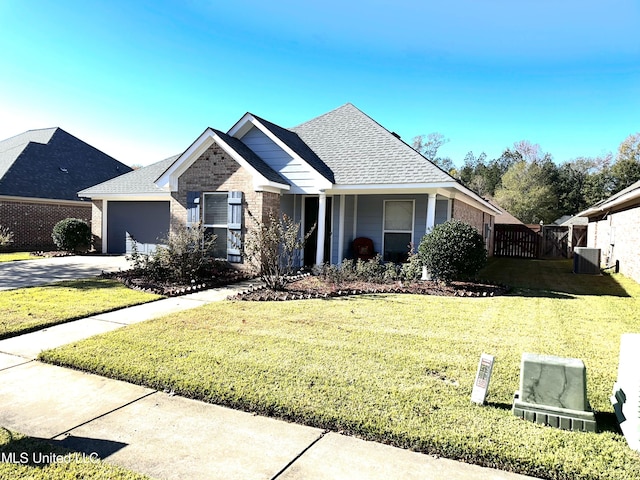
(96, 225)
(476, 218)
(32, 220)
(215, 171)
(626, 238)
(468, 214)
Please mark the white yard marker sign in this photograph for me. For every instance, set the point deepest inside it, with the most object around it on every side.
(481, 385)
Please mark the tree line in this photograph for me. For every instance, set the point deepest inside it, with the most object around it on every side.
(526, 181)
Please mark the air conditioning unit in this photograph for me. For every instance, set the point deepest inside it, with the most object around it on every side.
(586, 260)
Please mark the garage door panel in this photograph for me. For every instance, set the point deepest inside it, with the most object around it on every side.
(146, 222)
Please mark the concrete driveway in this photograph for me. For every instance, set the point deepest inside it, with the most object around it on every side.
(28, 273)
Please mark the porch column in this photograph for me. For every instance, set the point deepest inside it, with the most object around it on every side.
(341, 228)
(103, 227)
(322, 213)
(431, 212)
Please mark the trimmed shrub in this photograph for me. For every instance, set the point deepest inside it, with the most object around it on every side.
(72, 234)
(374, 270)
(185, 255)
(453, 251)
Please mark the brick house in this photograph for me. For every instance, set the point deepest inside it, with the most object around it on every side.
(341, 170)
(614, 228)
(41, 172)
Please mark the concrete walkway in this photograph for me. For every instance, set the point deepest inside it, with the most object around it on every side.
(170, 437)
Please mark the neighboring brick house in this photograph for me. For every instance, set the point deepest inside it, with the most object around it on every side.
(41, 172)
(342, 171)
(614, 228)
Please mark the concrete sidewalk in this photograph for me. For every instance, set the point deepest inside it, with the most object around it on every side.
(171, 437)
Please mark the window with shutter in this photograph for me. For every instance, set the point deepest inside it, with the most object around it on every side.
(234, 224)
(214, 219)
(193, 208)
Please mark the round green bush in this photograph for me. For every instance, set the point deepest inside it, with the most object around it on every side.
(453, 251)
(71, 234)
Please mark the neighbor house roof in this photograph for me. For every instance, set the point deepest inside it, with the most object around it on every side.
(12, 147)
(52, 164)
(140, 181)
(359, 151)
(504, 217)
(575, 220)
(629, 196)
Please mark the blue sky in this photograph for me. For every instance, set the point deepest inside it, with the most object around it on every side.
(141, 80)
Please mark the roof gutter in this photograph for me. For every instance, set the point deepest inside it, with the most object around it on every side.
(606, 206)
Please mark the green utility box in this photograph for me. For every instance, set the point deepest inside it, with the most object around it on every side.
(553, 391)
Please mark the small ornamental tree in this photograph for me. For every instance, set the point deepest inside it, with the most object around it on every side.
(452, 251)
(71, 234)
(273, 247)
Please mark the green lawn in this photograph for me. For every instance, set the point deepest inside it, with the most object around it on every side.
(15, 256)
(398, 368)
(27, 309)
(25, 458)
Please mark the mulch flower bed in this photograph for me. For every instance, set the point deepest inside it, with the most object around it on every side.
(134, 279)
(304, 286)
(307, 287)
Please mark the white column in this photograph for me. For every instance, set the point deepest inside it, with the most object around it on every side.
(103, 228)
(355, 216)
(341, 228)
(322, 213)
(431, 212)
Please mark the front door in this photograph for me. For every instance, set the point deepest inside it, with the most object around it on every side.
(310, 218)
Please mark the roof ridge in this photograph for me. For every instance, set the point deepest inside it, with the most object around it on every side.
(395, 135)
(27, 139)
(327, 113)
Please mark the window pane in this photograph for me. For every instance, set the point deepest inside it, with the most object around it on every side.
(398, 215)
(220, 246)
(215, 208)
(396, 247)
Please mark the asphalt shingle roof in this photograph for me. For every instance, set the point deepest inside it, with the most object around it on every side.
(359, 151)
(295, 143)
(345, 146)
(52, 163)
(12, 147)
(140, 181)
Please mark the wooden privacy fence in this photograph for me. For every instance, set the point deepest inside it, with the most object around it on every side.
(555, 241)
(518, 241)
(530, 241)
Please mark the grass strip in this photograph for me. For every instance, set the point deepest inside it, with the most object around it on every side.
(17, 256)
(25, 310)
(23, 457)
(393, 368)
